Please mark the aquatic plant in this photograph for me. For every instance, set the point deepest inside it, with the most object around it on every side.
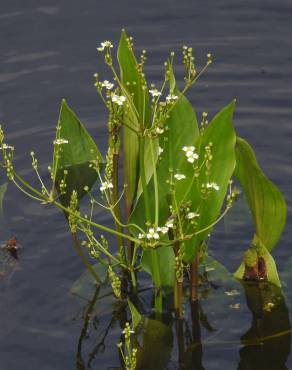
(179, 179)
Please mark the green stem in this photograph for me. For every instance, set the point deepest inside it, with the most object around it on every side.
(83, 258)
(195, 278)
(67, 210)
(116, 209)
(154, 257)
(155, 184)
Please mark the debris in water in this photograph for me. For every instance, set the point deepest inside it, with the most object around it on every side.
(232, 292)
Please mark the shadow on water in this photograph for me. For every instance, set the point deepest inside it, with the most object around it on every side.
(166, 343)
(267, 343)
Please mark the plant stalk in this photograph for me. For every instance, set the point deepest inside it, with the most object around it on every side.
(83, 258)
(194, 281)
(154, 257)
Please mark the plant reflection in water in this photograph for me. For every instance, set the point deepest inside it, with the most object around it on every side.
(163, 340)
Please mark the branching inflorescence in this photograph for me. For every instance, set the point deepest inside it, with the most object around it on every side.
(177, 177)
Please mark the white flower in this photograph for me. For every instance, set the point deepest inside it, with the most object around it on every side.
(126, 331)
(191, 215)
(188, 148)
(106, 185)
(155, 92)
(118, 99)
(159, 130)
(60, 141)
(179, 176)
(152, 234)
(191, 157)
(190, 153)
(105, 44)
(160, 150)
(164, 229)
(108, 85)
(6, 146)
(171, 97)
(212, 185)
(169, 224)
(141, 236)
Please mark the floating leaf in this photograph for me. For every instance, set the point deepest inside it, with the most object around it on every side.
(86, 284)
(76, 155)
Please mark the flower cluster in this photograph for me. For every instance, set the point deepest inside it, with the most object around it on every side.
(171, 98)
(118, 99)
(115, 281)
(155, 93)
(60, 141)
(154, 233)
(106, 185)
(212, 185)
(179, 176)
(190, 153)
(108, 85)
(105, 44)
(129, 356)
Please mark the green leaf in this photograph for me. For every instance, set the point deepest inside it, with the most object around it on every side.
(76, 155)
(266, 202)
(216, 270)
(221, 134)
(136, 316)
(182, 130)
(166, 264)
(138, 99)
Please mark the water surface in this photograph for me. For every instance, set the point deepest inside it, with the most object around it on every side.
(48, 51)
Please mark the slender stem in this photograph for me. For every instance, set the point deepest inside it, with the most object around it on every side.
(25, 192)
(178, 292)
(195, 278)
(67, 210)
(188, 85)
(154, 257)
(116, 209)
(83, 258)
(156, 195)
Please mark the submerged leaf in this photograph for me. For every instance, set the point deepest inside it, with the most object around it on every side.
(156, 346)
(86, 284)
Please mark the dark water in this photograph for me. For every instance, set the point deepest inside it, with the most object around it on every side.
(48, 51)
